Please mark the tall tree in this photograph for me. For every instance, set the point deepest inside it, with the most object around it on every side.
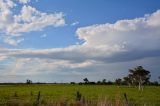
(28, 81)
(86, 80)
(104, 81)
(118, 81)
(140, 76)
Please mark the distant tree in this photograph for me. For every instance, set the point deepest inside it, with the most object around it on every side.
(109, 83)
(159, 78)
(92, 83)
(86, 80)
(155, 83)
(72, 83)
(28, 81)
(128, 80)
(99, 82)
(80, 83)
(104, 81)
(140, 76)
(118, 81)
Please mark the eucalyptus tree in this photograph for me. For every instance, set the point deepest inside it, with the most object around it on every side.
(86, 80)
(127, 80)
(140, 76)
(118, 81)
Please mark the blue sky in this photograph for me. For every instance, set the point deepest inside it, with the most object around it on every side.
(86, 13)
(77, 39)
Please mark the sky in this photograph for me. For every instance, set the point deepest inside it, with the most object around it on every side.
(64, 41)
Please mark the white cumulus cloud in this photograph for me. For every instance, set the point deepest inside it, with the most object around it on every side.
(29, 19)
(74, 23)
(136, 34)
(24, 1)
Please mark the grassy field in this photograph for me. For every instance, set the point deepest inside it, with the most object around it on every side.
(55, 93)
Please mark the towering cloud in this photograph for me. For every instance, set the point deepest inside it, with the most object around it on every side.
(137, 34)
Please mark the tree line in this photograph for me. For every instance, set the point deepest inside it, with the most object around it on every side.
(137, 76)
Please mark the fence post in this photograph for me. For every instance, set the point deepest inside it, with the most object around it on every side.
(38, 97)
(126, 99)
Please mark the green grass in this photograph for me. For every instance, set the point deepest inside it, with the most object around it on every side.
(150, 96)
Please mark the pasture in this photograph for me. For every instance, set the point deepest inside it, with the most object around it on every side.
(13, 95)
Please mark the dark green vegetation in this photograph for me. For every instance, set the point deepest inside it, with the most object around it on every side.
(49, 95)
